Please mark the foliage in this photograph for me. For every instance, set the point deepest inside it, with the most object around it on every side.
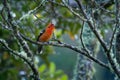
(97, 19)
(51, 73)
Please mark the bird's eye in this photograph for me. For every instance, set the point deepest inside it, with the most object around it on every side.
(49, 27)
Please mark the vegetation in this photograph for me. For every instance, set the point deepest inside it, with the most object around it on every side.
(85, 44)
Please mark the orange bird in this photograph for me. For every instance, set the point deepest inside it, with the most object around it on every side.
(45, 35)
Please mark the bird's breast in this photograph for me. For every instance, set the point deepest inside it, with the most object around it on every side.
(45, 37)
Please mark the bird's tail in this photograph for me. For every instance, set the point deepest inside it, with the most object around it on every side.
(40, 49)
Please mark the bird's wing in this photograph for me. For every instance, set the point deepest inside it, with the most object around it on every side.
(40, 34)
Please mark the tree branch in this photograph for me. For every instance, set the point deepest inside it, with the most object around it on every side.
(117, 45)
(61, 44)
(15, 30)
(9, 21)
(92, 27)
(111, 61)
(31, 65)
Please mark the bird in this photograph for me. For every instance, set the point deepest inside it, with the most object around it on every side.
(45, 35)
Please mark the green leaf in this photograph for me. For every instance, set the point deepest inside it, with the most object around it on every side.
(42, 68)
(59, 73)
(52, 68)
(64, 77)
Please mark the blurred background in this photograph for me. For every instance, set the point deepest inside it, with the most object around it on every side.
(57, 63)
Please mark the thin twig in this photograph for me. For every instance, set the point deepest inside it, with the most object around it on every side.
(92, 27)
(33, 11)
(81, 39)
(112, 38)
(75, 13)
(101, 7)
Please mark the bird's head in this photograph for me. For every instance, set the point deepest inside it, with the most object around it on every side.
(50, 27)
